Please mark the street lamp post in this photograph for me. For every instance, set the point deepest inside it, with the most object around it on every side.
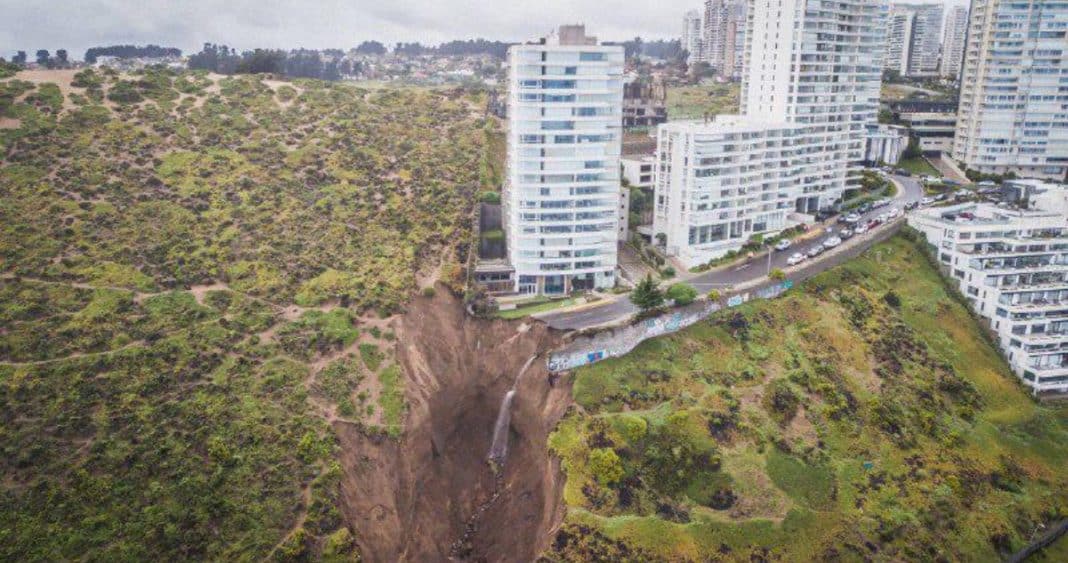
(770, 251)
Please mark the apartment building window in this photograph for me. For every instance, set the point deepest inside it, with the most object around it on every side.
(591, 57)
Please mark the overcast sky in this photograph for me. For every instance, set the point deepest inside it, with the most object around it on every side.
(79, 24)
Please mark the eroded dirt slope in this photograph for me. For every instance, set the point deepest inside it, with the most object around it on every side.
(412, 500)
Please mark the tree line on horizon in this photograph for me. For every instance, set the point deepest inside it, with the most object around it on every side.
(326, 64)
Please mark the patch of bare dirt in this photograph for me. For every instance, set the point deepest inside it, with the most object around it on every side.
(413, 499)
(201, 291)
(60, 77)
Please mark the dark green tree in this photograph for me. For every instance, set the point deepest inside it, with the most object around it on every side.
(647, 295)
(913, 150)
(371, 48)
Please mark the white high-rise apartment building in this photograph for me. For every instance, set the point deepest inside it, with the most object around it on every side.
(691, 34)
(808, 91)
(564, 142)
(925, 50)
(814, 62)
(953, 44)
(898, 39)
(1012, 266)
(1013, 114)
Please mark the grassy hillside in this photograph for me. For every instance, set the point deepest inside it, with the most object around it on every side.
(863, 416)
(193, 275)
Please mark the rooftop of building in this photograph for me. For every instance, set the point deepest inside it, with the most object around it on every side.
(1034, 199)
(571, 35)
(726, 124)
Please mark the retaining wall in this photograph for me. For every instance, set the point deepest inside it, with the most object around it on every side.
(617, 341)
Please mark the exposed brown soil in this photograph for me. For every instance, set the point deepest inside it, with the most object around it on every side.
(413, 499)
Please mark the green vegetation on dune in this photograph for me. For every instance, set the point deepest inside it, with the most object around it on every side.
(160, 443)
(862, 416)
(190, 267)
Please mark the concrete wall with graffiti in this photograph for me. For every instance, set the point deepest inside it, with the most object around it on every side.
(619, 341)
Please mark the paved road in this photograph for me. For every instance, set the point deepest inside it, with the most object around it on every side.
(620, 307)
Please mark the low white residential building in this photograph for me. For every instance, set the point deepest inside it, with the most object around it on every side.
(638, 171)
(720, 183)
(1011, 263)
(885, 143)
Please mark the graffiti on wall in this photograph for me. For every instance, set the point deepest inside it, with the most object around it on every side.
(620, 341)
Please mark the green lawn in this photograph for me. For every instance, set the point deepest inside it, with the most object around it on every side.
(539, 306)
(919, 167)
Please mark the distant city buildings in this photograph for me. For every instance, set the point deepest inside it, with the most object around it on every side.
(913, 39)
(724, 36)
(808, 95)
(926, 40)
(956, 33)
(898, 39)
(692, 34)
(716, 36)
(1013, 115)
(562, 199)
(1011, 263)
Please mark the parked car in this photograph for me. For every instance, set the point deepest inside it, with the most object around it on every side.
(883, 217)
(926, 201)
(861, 229)
(893, 213)
(911, 205)
(845, 234)
(852, 218)
(796, 259)
(815, 251)
(832, 242)
(824, 214)
(783, 244)
(874, 223)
